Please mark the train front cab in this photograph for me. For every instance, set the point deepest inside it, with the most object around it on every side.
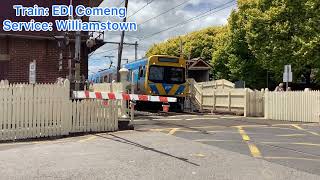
(166, 76)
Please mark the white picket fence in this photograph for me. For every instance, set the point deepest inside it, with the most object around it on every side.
(45, 110)
(293, 106)
(94, 116)
(225, 98)
(107, 87)
(208, 86)
(255, 103)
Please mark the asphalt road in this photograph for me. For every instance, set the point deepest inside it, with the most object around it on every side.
(173, 147)
(133, 155)
(292, 144)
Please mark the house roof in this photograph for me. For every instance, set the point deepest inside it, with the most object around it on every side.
(198, 64)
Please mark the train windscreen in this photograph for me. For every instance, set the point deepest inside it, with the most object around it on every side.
(170, 75)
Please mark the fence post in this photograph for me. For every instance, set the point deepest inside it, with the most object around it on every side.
(229, 100)
(317, 106)
(68, 110)
(132, 103)
(261, 103)
(191, 94)
(124, 82)
(111, 87)
(246, 104)
(266, 104)
(253, 103)
(201, 96)
(214, 100)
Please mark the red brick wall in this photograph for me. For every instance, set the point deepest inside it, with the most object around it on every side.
(45, 52)
(3, 64)
(23, 50)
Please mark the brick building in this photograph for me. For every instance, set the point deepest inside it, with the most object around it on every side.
(18, 49)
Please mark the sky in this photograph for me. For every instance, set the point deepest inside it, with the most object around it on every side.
(220, 11)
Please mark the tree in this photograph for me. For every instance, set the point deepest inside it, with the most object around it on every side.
(195, 44)
(260, 38)
(281, 32)
(233, 52)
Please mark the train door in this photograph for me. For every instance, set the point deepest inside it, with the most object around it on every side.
(106, 79)
(141, 79)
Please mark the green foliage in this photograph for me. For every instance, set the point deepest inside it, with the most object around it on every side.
(195, 44)
(233, 55)
(260, 38)
(285, 32)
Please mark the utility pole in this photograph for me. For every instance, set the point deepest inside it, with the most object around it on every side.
(181, 47)
(69, 51)
(77, 58)
(121, 45)
(136, 50)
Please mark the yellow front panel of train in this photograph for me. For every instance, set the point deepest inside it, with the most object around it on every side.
(162, 88)
(167, 89)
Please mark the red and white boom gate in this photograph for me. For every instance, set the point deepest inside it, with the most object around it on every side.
(123, 96)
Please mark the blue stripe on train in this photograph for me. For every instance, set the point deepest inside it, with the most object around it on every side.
(180, 90)
(167, 87)
(154, 88)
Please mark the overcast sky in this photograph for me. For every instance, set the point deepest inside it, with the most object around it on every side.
(220, 12)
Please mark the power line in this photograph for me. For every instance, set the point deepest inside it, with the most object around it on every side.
(148, 3)
(101, 18)
(120, 3)
(125, 45)
(109, 56)
(114, 34)
(199, 16)
(165, 12)
(104, 52)
(111, 42)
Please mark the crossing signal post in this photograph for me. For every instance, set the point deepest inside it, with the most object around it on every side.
(287, 75)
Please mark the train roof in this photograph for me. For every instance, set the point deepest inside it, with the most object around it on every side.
(136, 64)
(102, 73)
(132, 65)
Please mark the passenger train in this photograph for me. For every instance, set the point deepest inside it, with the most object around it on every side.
(157, 75)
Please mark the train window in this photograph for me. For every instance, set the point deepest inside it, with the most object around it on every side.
(156, 73)
(175, 75)
(171, 75)
(105, 79)
(141, 73)
(171, 60)
(130, 75)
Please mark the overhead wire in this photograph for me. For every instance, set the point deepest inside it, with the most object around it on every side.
(148, 3)
(157, 16)
(128, 17)
(101, 18)
(121, 3)
(110, 50)
(165, 12)
(199, 16)
(104, 52)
